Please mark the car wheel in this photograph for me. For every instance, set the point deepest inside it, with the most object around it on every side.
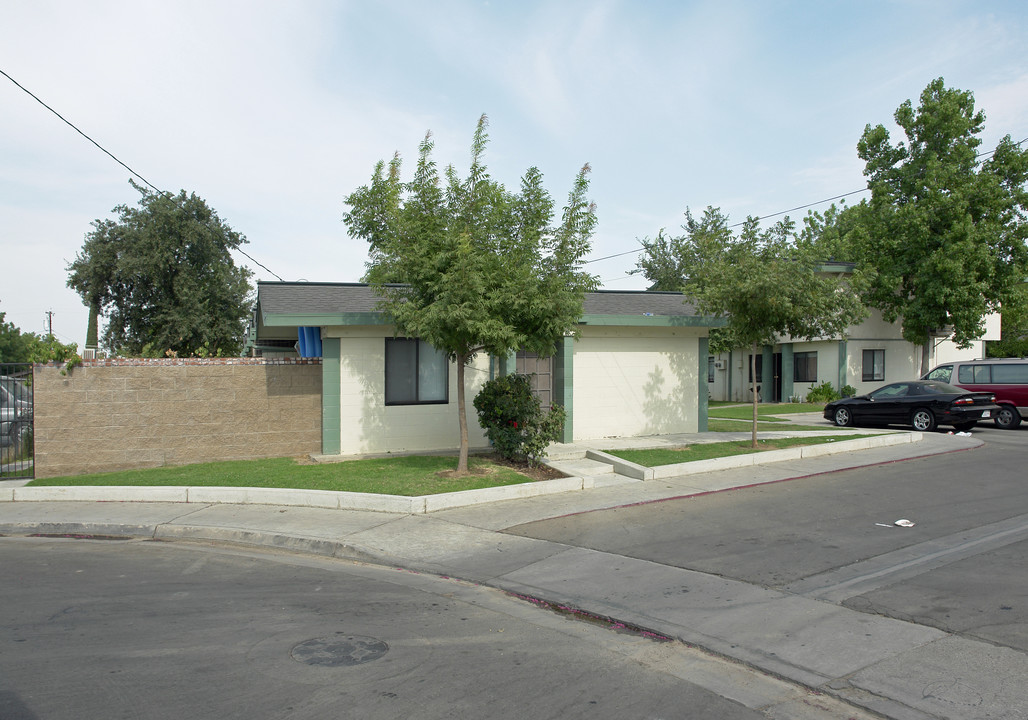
(1007, 418)
(843, 417)
(923, 420)
(964, 426)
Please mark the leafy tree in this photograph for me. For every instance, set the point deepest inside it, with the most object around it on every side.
(164, 276)
(15, 346)
(1014, 340)
(943, 236)
(768, 283)
(19, 347)
(50, 349)
(471, 267)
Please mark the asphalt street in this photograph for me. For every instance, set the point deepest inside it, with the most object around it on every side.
(804, 579)
(141, 629)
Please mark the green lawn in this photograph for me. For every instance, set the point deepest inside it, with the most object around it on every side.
(407, 475)
(765, 411)
(708, 451)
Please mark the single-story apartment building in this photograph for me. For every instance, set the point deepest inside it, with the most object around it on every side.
(637, 366)
(865, 357)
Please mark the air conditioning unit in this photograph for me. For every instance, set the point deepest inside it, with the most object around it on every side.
(719, 364)
(89, 353)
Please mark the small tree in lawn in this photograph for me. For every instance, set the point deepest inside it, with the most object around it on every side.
(470, 267)
(767, 283)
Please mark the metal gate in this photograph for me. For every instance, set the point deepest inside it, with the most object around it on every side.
(17, 456)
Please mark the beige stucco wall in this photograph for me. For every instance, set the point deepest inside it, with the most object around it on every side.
(635, 381)
(368, 426)
(118, 415)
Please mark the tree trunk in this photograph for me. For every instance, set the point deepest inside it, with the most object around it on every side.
(926, 354)
(462, 457)
(753, 389)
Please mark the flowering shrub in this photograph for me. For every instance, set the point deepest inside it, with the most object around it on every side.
(513, 419)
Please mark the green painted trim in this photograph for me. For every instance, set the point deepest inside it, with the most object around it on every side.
(564, 385)
(331, 406)
(380, 318)
(654, 320)
(703, 389)
(842, 364)
(509, 364)
(325, 319)
(788, 371)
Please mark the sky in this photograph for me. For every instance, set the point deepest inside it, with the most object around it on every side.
(274, 112)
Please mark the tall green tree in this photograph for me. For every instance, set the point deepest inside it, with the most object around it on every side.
(468, 266)
(164, 276)
(943, 236)
(768, 283)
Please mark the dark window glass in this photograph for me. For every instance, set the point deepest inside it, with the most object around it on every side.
(415, 372)
(804, 367)
(873, 365)
(1013, 374)
(760, 367)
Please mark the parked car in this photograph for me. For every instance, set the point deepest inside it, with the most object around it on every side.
(922, 404)
(1006, 378)
(15, 415)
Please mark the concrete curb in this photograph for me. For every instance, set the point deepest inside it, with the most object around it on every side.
(293, 498)
(641, 472)
(429, 503)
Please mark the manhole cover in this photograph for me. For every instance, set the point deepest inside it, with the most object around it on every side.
(339, 651)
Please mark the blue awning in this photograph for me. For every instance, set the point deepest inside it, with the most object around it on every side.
(309, 341)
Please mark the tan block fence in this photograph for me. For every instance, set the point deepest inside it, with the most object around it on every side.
(135, 413)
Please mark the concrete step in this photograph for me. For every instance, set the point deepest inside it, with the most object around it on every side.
(581, 467)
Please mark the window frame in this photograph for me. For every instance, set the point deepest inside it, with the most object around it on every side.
(806, 357)
(868, 374)
(419, 345)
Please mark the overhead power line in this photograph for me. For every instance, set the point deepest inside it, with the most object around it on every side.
(115, 159)
(783, 212)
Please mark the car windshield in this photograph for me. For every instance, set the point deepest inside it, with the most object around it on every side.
(941, 374)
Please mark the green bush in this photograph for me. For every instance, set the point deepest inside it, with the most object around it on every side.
(823, 393)
(513, 419)
(848, 391)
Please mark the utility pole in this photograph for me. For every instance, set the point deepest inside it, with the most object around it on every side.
(50, 324)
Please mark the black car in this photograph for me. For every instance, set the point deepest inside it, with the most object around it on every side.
(924, 404)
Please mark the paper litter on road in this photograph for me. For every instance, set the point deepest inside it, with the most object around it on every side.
(904, 523)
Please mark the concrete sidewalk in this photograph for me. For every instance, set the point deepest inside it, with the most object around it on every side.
(899, 669)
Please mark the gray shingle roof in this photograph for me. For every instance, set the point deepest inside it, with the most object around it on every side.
(291, 298)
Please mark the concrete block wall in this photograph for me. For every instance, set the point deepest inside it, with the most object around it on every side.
(125, 414)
